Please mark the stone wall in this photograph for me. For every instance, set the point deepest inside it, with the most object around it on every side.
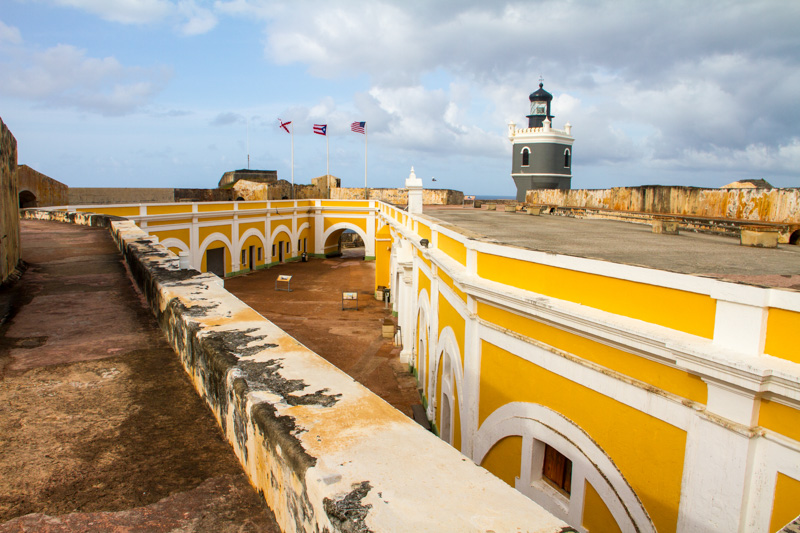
(766, 205)
(10, 248)
(119, 195)
(45, 190)
(400, 196)
(326, 453)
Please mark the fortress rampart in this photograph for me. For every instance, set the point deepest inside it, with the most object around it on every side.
(327, 454)
(9, 218)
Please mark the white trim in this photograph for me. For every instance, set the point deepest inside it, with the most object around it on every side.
(589, 463)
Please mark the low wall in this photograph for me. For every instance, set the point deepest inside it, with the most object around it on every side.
(45, 189)
(118, 195)
(400, 196)
(10, 251)
(326, 453)
(765, 205)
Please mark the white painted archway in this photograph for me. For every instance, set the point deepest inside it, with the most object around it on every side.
(212, 238)
(172, 242)
(423, 336)
(448, 355)
(538, 424)
(369, 245)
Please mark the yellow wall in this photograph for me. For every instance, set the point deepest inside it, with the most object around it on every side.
(786, 505)
(280, 240)
(780, 418)
(664, 377)
(244, 206)
(107, 210)
(205, 231)
(449, 282)
(782, 340)
(245, 226)
(253, 240)
(383, 256)
(680, 310)
(206, 207)
(596, 516)
(644, 448)
(173, 222)
(424, 231)
(448, 316)
(504, 459)
(168, 209)
(453, 248)
(180, 234)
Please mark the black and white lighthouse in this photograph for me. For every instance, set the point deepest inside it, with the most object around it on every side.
(541, 155)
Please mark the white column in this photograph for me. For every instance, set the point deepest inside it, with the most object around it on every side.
(319, 228)
(237, 248)
(414, 186)
(194, 244)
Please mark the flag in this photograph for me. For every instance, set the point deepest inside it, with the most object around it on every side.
(284, 124)
(320, 129)
(358, 127)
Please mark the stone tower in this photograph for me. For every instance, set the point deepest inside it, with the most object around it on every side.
(541, 156)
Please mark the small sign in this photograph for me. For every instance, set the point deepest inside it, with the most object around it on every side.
(469, 198)
(286, 279)
(349, 297)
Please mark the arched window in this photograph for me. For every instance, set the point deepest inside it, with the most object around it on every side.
(567, 157)
(526, 155)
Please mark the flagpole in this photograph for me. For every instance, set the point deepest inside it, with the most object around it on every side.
(327, 154)
(366, 195)
(292, 132)
(247, 123)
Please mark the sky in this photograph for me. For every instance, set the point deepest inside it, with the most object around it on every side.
(161, 93)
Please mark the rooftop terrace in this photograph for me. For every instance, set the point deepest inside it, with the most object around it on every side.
(699, 254)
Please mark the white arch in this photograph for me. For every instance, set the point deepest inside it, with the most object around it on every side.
(423, 313)
(216, 236)
(447, 343)
(300, 229)
(341, 226)
(247, 234)
(172, 242)
(537, 423)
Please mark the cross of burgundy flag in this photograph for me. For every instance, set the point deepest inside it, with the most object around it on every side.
(284, 124)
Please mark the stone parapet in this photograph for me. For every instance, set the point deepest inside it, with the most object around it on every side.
(326, 453)
(10, 251)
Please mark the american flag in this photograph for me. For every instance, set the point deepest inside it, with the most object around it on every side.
(320, 129)
(358, 127)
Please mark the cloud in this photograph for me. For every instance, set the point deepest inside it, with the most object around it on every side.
(9, 34)
(123, 11)
(228, 118)
(63, 76)
(199, 19)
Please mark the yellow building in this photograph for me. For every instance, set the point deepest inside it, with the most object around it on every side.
(619, 397)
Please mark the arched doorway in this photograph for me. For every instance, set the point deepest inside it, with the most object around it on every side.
(351, 245)
(27, 199)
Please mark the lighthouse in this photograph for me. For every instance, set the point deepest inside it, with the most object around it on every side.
(541, 155)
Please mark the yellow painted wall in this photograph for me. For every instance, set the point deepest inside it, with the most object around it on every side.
(178, 222)
(422, 257)
(180, 234)
(780, 418)
(664, 377)
(276, 223)
(245, 206)
(253, 240)
(644, 448)
(360, 223)
(345, 203)
(504, 459)
(245, 226)
(280, 240)
(786, 505)
(424, 231)
(449, 282)
(169, 209)
(453, 248)
(782, 329)
(205, 231)
(596, 516)
(680, 310)
(448, 316)
(108, 210)
(383, 253)
(206, 207)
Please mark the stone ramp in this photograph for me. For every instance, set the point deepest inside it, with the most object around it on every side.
(99, 425)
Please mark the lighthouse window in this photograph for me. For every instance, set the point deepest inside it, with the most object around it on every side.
(526, 154)
(567, 157)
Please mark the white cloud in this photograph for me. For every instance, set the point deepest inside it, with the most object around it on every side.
(64, 76)
(123, 11)
(9, 34)
(199, 20)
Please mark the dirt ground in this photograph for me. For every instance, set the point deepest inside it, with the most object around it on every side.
(312, 313)
(100, 428)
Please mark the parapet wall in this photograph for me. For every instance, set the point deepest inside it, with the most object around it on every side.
(400, 196)
(765, 205)
(10, 251)
(326, 453)
(46, 190)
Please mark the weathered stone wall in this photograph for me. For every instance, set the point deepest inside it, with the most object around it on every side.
(203, 195)
(119, 195)
(767, 205)
(45, 189)
(10, 251)
(326, 453)
(400, 196)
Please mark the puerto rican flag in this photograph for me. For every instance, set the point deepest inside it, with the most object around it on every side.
(320, 129)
